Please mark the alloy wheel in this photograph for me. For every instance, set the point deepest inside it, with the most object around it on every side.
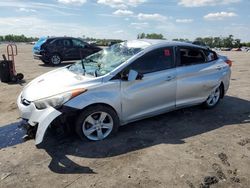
(55, 59)
(97, 125)
(214, 97)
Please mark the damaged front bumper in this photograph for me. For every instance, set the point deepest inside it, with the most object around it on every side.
(39, 119)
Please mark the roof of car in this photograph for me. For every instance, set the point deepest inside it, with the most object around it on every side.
(157, 42)
(62, 38)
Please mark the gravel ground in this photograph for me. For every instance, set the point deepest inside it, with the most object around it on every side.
(190, 148)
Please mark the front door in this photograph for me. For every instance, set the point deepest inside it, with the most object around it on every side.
(155, 92)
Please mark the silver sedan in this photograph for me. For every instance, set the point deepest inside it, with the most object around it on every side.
(124, 83)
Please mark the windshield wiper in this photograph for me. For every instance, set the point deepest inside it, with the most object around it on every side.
(96, 73)
(83, 67)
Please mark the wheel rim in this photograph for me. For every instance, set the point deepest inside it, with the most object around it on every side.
(97, 125)
(55, 59)
(214, 97)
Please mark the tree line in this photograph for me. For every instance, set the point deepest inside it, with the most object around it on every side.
(102, 42)
(23, 38)
(219, 42)
(150, 36)
(228, 42)
(17, 38)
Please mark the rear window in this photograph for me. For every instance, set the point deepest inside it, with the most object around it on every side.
(61, 42)
(210, 55)
(191, 56)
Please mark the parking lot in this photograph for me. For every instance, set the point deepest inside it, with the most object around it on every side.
(183, 148)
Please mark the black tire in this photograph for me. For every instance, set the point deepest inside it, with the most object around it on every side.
(209, 105)
(19, 76)
(90, 111)
(55, 59)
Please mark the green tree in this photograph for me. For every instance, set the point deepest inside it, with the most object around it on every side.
(208, 41)
(150, 36)
(141, 36)
(154, 36)
(237, 43)
(17, 38)
(228, 41)
(217, 42)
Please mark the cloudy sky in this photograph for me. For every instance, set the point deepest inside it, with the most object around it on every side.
(124, 19)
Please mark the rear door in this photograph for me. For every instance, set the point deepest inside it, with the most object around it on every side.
(155, 93)
(67, 49)
(197, 75)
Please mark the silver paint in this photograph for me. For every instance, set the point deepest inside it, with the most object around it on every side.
(132, 100)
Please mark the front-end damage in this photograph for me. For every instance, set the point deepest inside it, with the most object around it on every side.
(36, 121)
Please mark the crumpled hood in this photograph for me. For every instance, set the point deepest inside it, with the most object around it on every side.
(56, 82)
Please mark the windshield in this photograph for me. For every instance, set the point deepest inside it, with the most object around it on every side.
(105, 61)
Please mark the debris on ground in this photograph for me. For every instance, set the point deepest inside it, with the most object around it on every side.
(218, 170)
(223, 157)
(5, 175)
(235, 179)
(235, 172)
(190, 184)
(209, 180)
(243, 142)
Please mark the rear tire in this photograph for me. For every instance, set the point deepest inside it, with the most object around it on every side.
(19, 76)
(97, 123)
(214, 98)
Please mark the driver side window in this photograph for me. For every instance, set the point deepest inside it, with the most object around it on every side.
(156, 60)
(78, 43)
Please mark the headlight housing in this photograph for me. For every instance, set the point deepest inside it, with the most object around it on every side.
(57, 101)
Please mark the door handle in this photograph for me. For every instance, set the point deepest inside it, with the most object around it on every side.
(169, 78)
(219, 67)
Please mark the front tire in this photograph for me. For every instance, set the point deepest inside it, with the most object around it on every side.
(214, 98)
(97, 123)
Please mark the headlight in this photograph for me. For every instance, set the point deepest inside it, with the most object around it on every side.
(57, 101)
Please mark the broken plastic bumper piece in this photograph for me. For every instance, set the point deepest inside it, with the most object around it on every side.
(37, 120)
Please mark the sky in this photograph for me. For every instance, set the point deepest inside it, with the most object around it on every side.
(124, 19)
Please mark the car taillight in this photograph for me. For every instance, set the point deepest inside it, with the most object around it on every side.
(229, 62)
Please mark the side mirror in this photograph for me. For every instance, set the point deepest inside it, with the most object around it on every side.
(133, 75)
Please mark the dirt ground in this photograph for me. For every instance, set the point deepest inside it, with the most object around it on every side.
(186, 148)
